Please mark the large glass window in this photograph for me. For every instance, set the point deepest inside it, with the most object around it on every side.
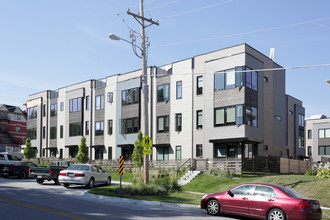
(324, 133)
(162, 124)
(87, 128)
(324, 150)
(130, 125)
(229, 115)
(87, 103)
(99, 102)
(99, 128)
(251, 116)
(53, 132)
(230, 78)
(220, 150)
(178, 89)
(163, 92)
(61, 131)
(301, 120)
(178, 122)
(75, 129)
(62, 106)
(110, 97)
(199, 150)
(32, 112)
(251, 79)
(309, 135)
(53, 110)
(75, 105)
(178, 153)
(219, 81)
(199, 85)
(130, 96)
(31, 133)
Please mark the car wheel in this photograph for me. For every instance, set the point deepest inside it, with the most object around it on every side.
(40, 181)
(108, 182)
(213, 207)
(90, 183)
(66, 185)
(22, 175)
(56, 181)
(276, 214)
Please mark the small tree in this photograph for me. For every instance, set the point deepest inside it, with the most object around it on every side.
(28, 151)
(137, 155)
(82, 156)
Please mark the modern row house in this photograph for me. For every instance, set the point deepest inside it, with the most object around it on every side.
(229, 103)
(318, 138)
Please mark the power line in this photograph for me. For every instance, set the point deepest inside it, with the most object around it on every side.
(245, 33)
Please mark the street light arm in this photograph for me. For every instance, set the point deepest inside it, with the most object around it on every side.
(115, 37)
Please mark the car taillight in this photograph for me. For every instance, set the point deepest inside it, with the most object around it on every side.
(12, 168)
(303, 204)
(29, 170)
(50, 172)
(79, 174)
(62, 174)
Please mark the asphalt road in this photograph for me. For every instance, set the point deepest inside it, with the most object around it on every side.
(25, 199)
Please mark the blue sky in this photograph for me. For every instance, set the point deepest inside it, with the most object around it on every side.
(51, 44)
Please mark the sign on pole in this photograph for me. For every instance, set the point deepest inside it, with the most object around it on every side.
(147, 142)
(121, 169)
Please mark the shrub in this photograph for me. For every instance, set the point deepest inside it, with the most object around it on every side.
(311, 172)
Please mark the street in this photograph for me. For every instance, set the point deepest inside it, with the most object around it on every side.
(25, 199)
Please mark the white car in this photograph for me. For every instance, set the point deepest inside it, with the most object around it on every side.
(84, 174)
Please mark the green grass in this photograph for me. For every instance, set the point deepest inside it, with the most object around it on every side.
(127, 177)
(309, 186)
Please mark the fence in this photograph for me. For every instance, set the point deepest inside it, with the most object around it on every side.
(295, 166)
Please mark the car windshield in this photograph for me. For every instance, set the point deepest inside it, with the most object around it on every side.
(291, 192)
(78, 167)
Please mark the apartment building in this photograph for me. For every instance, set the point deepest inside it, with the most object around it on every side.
(220, 104)
(318, 138)
(12, 128)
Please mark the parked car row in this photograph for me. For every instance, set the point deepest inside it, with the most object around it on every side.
(61, 172)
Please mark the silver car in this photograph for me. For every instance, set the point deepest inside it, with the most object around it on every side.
(84, 174)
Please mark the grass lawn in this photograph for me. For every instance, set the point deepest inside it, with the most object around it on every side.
(309, 186)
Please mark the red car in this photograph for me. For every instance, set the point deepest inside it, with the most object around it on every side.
(265, 201)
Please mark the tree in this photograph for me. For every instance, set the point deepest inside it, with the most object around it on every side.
(137, 155)
(28, 151)
(82, 156)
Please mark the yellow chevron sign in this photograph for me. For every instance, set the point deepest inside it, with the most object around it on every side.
(121, 166)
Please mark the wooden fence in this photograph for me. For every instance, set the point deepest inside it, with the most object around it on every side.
(295, 166)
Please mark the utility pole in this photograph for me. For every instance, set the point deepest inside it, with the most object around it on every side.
(144, 99)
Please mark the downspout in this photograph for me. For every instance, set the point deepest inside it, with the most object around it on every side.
(192, 111)
(91, 121)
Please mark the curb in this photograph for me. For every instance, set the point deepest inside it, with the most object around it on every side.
(134, 201)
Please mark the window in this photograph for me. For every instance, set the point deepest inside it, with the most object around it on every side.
(87, 103)
(53, 132)
(301, 120)
(178, 89)
(62, 106)
(130, 96)
(163, 92)
(99, 128)
(75, 104)
(162, 153)
(251, 79)
(229, 115)
(31, 133)
(309, 135)
(324, 133)
(324, 150)
(75, 129)
(199, 150)
(109, 153)
(178, 155)
(162, 124)
(110, 126)
(309, 151)
(220, 150)
(87, 128)
(199, 124)
(99, 102)
(199, 85)
(43, 132)
(243, 190)
(18, 129)
(178, 122)
(219, 81)
(130, 125)
(61, 131)
(264, 191)
(251, 116)
(301, 141)
(110, 97)
(32, 112)
(18, 117)
(53, 110)
(44, 111)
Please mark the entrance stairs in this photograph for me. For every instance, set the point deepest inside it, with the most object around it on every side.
(187, 177)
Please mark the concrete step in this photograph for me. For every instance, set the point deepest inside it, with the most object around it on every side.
(189, 176)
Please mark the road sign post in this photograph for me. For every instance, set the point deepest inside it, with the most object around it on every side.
(121, 170)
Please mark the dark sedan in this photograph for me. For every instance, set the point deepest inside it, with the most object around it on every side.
(19, 169)
(265, 201)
